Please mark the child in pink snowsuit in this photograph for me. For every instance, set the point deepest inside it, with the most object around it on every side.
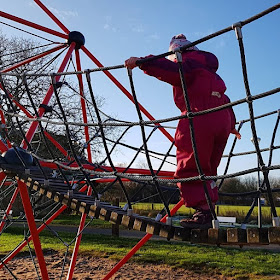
(205, 90)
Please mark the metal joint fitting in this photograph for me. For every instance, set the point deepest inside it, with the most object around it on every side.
(237, 28)
(178, 55)
(129, 71)
(190, 115)
(202, 177)
(249, 99)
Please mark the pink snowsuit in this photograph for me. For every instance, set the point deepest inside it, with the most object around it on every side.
(205, 90)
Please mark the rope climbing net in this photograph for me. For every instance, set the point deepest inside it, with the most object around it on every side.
(66, 153)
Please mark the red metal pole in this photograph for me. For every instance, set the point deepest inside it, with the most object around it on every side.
(83, 104)
(40, 229)
(124, 90)
(30, 133)
(77, 243)
(3, 146)
(57, 145)
(140, 243)
(33, 25)
(18, 104)
(52, 16)
(33, 229)
(33, 58)
(9, 208)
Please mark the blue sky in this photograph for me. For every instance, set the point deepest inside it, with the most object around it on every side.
(116, 30)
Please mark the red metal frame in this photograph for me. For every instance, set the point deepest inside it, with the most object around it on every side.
(9, 207)
(83, 105)
(57, 145)
(33, 25)
(124, 90)
(30, 133)
(3, 146)
(78, 242)
(52, 16)
(22, 188)
(26, 61)
(33, 229)
(140, 243)
(40, 229)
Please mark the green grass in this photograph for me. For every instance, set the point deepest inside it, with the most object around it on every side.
(203, 259)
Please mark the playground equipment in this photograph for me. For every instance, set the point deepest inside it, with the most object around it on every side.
(69, 177)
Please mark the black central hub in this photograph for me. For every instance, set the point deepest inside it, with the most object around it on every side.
(77, 37)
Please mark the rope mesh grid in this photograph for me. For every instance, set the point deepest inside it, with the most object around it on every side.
(62, 169)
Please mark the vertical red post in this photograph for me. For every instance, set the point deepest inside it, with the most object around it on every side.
(83, 104)
(140, 243)
(33, 229)
(77, 243)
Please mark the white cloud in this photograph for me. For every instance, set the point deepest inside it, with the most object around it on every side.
(108, 25)
(137, 28)
(154, 37)
(63, 14)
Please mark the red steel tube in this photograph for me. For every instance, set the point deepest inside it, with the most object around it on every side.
(52, 16)
(124, 90)
(33, 25)
(40, 229)
(32, 129)
(57, 145)
(83, 104)
(18, 104)
(3, 146)
(33, 58)
(33, 229)
(140, 243)
(77, 243)
(9, 207)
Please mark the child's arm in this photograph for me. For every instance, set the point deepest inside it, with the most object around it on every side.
(236, 133)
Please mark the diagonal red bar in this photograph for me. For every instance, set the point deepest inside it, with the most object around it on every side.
(40, 229)
(57, 145)
(124, 90)
(26, 61)
(52, 16)
(78, 242)
(30, 133)
(33, 229)
(140, 243)
(9, 207)
(33, 25)
(83, 104)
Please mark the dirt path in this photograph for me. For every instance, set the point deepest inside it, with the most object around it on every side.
(92, 268)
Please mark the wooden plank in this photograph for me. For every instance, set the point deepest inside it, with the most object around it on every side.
(236, 235)
(167, 231)
(140, 224)
(105, 214)
(274, 235)
(199, 236)
(127, 221)
(182, 234)
(94, 211)
(116, 217)
(153, 228)
(217, 236)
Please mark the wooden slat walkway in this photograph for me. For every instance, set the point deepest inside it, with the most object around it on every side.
(57, 190)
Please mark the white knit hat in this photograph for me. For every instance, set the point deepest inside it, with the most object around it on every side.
(178, 41)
